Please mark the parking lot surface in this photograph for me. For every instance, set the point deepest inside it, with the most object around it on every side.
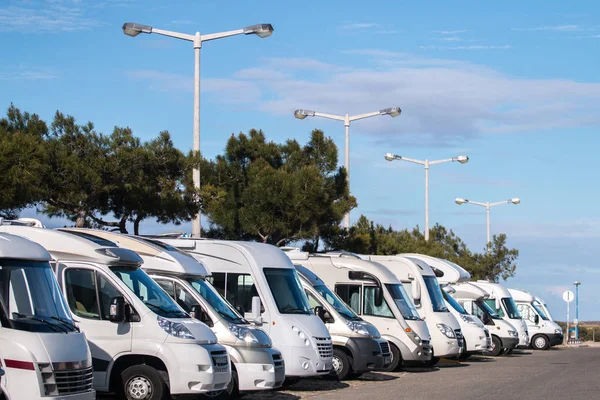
(569, 373)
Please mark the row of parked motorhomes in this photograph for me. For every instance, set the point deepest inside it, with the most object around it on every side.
(86, 311)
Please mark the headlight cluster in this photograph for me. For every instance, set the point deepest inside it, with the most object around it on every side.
(468, 319)
(513, 333)
(414, 337)
(176, 329)
(301, 335)
(446, 330)
(558, 331)
(244, 334)
(357, 327)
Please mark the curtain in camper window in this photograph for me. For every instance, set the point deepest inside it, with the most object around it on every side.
(370, 308)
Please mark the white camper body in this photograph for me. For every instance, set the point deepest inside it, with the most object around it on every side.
(505, 336)
(419, 280)
(44, 355)
(501, 300)
(256, 364)
(245, 272)
(357, 344)
(141, 341)
(358, 283)
(543, 331)
(476, 336)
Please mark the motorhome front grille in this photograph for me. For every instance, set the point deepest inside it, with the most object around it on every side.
(459, 337)
(385, 348)
(487, 333)
(277, 361)
(66, 382)
(220, 360)
(325, 347)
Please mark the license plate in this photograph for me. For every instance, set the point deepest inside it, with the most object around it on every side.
(220, 360)
(387, 360)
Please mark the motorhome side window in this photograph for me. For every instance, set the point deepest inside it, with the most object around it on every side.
(83, 293)
(526, 312)
(167, 286)
(369, 307)
(184, 299)
(350, 294)
(492, 304)
(312, 300)
(239, 289)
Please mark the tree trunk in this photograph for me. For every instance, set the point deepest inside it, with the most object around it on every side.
(136, 225)
(123, 225)
(81, 219)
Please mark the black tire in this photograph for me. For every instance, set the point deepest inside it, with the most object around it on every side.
(508, 351)
(396, 359)
(496, 347)
(540, 342)
(289, 381)
(464, 355)
(341, 365)
(142, 382)
(232, 391)
(433, 362)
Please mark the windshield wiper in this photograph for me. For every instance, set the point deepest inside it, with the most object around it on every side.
(294, 311)
(164, 310)
(66, 323)
(34, 318)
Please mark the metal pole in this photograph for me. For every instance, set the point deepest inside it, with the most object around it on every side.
(487, 211)
(577, 310)
(196, 222)
(347, 164)
(426, 200)
(568, 322)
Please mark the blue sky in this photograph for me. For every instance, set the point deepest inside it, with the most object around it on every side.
(513, 85)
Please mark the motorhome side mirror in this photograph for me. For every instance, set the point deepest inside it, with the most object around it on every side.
(240, 309)
(416, 292)
(256, 314)
(378, 300)
(320, 312)
(117, 310)
(537, 319)
(498, 306)
(201, 315)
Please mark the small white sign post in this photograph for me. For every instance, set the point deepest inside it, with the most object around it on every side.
(568, 296)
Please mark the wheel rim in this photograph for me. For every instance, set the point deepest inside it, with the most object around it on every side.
(139, 388)
(540, 342)
(337, 364)
(493, 346)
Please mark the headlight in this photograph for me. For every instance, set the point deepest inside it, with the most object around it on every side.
(513, 333)
(446, 330)
(468, 319)
(246, 335)
(301, 335)
(558, 331)
(414, 337)
(176, 329)
(357, 327)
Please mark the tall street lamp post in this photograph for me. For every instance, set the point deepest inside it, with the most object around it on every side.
(392, 112)
(261, 30)
(426, 164)
(577, 283)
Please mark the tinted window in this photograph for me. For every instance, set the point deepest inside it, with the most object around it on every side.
(336, 302)
(511, 308)
(453, 303)
(168, 286)
(239, 291)
(184, 299)
(403, 302)
(350, 294)
(435, 294)
(491, 303)
(217, 302)
(81, 293)
(287, 290)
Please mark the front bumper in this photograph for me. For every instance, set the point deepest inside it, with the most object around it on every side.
(556, 339)
(523, 340)
(479, 343)
(261, 369)
(446, 347)
(510, 343)
(304, 361)
(367, 354)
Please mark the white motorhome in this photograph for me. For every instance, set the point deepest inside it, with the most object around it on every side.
(260, 281)
(544, 307)
(357, 344)
(476, 337)
(143, 345)
(420, 280)
(543, 331)
(43, 353)
(501, 300)
(375, 294)
(256, 365)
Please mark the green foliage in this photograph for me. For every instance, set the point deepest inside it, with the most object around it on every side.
(274, 193)
(364, 237)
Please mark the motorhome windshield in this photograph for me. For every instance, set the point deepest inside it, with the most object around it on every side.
(31, 299)
(148, 291)
(336, 303)
(435, 293)
(484, 307)
(403, 302)
(454, 304)
(287, 290)
(221, 306)
(540, 310)
(511, 308)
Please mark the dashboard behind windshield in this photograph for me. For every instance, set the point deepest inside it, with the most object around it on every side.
(149, 292)
(287, 290)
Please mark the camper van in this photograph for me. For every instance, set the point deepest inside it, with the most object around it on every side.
(543, 331)
(42, 352)
(420, 280)
(262, 283)
(474, 300)
(544, 307)
(476, 337)
(375, 294)
(143, 345)
(256, 365)
(502, 302)
(357, 344)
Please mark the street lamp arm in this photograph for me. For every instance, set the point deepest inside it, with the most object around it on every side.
(499, 202)
(363, 116)
(412, 160)
(213, 36)
(477, 203)
(178, 35)
(440, 161)
(329, 116)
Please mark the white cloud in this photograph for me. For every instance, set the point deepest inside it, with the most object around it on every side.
(359, 25)
(45, 16)
(586, 37)
(26, 73)
(454, 32)
(451, 39)
(472, 47)
(582, 228)
(560, 28)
